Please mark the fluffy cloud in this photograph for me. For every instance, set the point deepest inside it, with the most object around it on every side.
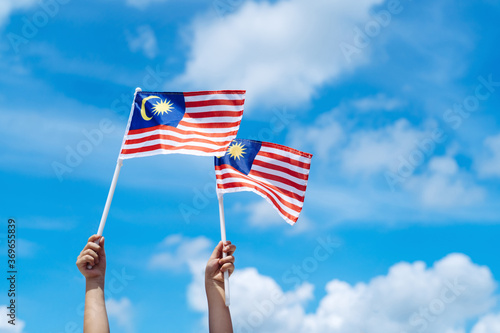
(321, 137)
(280, 52)
(488, 324)
(262, 214)
(5, 327)
(443, 185)
(410, 298)
(144, 40)
(121, 311)
(373, 151)
(177, 251)
(490, 167)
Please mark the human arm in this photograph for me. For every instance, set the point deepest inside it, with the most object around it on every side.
(95, 319)
(219, 317)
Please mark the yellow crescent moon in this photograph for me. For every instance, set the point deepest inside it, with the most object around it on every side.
(143, 109)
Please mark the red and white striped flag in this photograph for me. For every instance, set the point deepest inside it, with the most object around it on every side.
(197, 123)
(277, 173)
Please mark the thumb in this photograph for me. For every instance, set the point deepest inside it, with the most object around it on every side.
(217, 251)
(101, 243)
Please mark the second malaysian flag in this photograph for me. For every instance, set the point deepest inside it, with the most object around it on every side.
(277, 173)
(197, 123)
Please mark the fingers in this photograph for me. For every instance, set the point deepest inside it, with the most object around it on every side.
(227, 267)
(93, 238)
(228, 259)
(229, 248)
(227, 264)
(91, 252)
(85, 259)
(92, 246)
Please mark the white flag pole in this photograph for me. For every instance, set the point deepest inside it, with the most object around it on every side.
(223, 237)
(119, 164)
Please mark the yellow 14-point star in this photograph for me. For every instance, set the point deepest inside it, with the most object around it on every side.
(163, 106)
(237, 150)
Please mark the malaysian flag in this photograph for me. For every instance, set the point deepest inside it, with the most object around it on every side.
(197, 123)
(277, 173)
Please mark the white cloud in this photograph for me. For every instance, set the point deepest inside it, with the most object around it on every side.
(488, 324)
(263, 215)
(8, 6)
(321, 137)
(281, 53)
(490, 167)
(373, 151)
(176, 252)
(121, 311)
(444, 186)
(409, 298)
(144, 40)
(377, 102)
(5, 327)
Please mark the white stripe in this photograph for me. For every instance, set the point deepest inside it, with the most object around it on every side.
(213, 108)
(296, 180)
(287, 154)
(170, 143)
(208, 130)
(177, 135)
(270, 193)
(211, 120)
(209, 97)
(281, 195)
(282, 164)
(179, 151)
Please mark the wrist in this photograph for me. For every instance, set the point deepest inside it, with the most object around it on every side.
(211, 284)
(95, 282)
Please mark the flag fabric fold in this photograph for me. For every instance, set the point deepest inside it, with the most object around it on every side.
(277, 173)
(200, 123)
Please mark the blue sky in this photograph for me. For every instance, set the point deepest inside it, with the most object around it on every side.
(397, 100)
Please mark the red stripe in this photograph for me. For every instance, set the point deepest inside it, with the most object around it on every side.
(180, 131)
(285, 159)
(213, 114)
(258, 189)
(212, 102)
(209, 125)
(287, 149)
(280, 168)
(278, 179)
(235, 173)
(174, 138)
(168, 147)
(214, 92)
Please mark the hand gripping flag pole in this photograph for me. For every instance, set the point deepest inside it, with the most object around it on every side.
(119, 164)
(224, 254)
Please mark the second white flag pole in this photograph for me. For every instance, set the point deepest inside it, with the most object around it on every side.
(223, 237)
